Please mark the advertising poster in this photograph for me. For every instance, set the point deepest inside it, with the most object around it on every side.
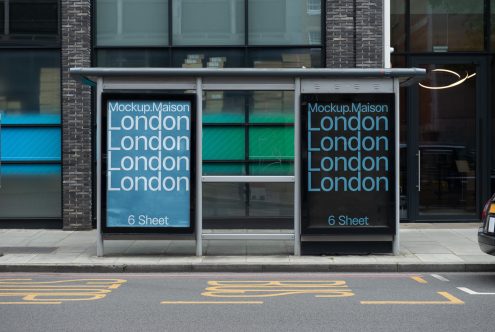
(149, 163)
(348, 163)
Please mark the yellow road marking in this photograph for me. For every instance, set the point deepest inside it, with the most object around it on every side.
(211, 302)
(28, 291)
(419, 279)
(255, 289)
(451, 300)
(30, 302)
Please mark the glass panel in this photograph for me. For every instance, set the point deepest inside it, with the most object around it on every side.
(285, 58)
(208, 22)
(222, 200)
(33, 19)
(223, 143)
(272, 107)
(208, 58)
(441, 26)
(30, 144)
(284, 22)
(447, 140)
(223, 169)
(30, 191)
(30, 86)
(224, 106)
(132, 22)
(398, 25)
(271, 199)
(132, 58)
(271, 143)
(271, 168)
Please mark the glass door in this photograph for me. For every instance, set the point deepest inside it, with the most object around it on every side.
(443, 140)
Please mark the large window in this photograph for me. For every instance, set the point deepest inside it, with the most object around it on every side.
(208, 33)
(441, 26)
(30, 110)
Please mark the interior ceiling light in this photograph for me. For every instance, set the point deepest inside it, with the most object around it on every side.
(459, 81)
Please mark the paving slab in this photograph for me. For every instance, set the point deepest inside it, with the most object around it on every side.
(424, 248)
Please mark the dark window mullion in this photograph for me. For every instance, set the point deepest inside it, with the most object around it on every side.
(407, 25)
(487, 25)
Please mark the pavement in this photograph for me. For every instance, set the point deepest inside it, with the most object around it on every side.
(443, 247)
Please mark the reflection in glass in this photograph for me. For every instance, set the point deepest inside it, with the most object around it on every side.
(284, 22)
(31, 191)
(208, 58)
(132, 22)
(30, 86)
(240, 200)
(208, 22)
(271, 107)
(397, 24)
(285, 58)
(442, 26)
(224, 106)
(271, 200)
(132, 58)
(222, 200)
(447, 142)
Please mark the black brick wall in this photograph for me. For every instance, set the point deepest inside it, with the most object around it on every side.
(76, 115)
(354, 33)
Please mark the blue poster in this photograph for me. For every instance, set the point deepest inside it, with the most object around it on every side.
(148, 163)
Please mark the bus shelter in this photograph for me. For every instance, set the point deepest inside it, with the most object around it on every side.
(149, 174)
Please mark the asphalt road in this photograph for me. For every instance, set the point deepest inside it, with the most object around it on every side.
(247, 302)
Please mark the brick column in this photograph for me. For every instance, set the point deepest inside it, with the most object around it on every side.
(369, 33)
(354, 31)
(76, 115)
(340, 34)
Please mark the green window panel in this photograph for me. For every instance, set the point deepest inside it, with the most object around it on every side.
(223, 169)
(271, 168)
(271, 143)
(221, 143)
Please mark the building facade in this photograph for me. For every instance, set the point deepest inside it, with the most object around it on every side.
(47, 118)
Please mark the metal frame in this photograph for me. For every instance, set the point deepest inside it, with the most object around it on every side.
(199, 80)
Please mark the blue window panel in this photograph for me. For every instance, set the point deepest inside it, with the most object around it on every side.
(22, 119)
(30, 144)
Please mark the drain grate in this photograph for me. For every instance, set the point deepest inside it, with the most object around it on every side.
(27, 250)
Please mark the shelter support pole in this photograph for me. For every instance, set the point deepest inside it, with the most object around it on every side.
(297, 167)
(99, 236)
(199, 166)
(396, 243)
